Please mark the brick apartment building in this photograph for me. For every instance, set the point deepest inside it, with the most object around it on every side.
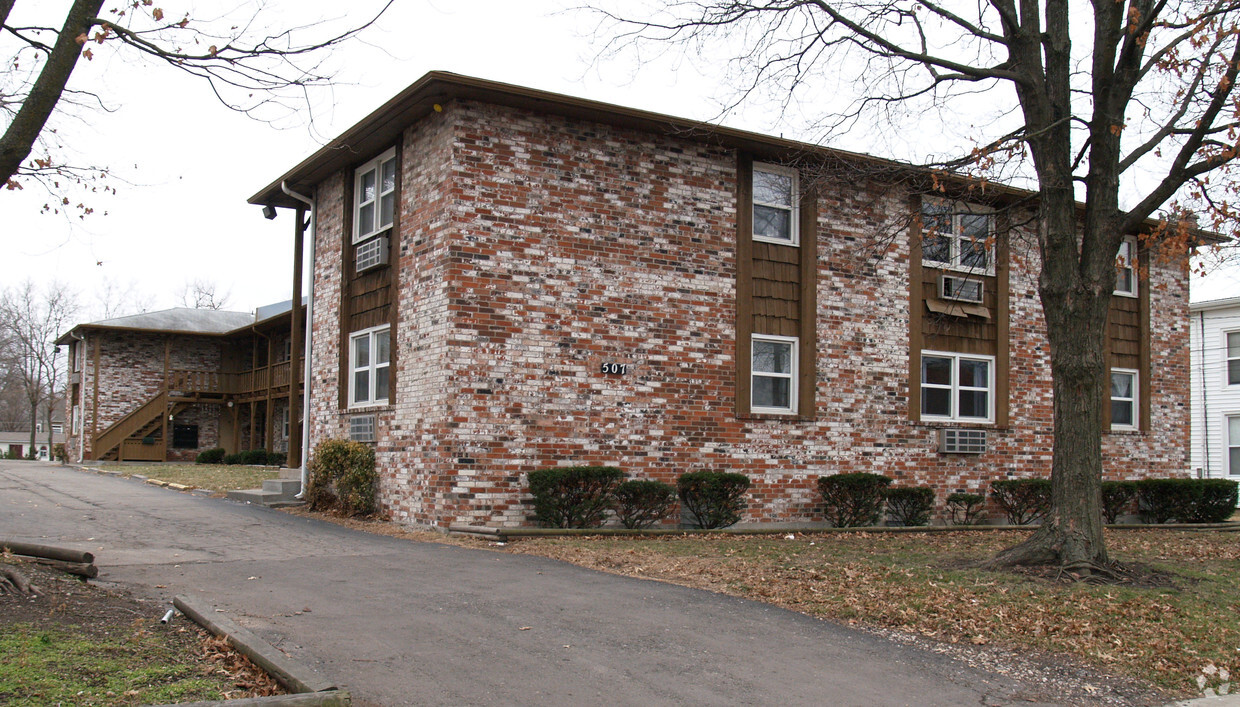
(507, 279)
(163, 386)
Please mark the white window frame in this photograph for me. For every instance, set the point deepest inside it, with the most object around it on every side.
(794, 212)
(1228, 359)
(955, 387)
(1134, 400)
(1130, 265)
(793, 343)
(1230, 444)
(956, 237)
(373, 367)
(375, 166)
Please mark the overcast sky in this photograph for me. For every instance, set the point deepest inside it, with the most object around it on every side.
(185, 165)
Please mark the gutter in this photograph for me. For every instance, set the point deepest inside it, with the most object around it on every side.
(309, 337)
(81, 434)
(1205, 401)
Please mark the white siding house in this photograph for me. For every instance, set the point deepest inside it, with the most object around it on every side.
(1216, 388)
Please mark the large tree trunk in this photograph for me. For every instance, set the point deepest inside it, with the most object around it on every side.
(1071, 532)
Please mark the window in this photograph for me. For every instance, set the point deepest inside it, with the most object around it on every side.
(374, 191)
(775, 204)
(1123, 399)
(956, 387)
(1126, 268)
(1233, 358)
(369, 355)
(185, 436)
(772, 388)
(956, 239)
(1233, 445)
(57, 428)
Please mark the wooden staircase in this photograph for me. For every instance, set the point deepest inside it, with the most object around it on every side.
(137, 436)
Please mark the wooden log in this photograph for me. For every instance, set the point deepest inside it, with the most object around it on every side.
(81, 569)
(63, 554)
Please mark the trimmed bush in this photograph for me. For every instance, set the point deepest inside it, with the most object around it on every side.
(277, 458)
(910, 505)
(343, 473)
(1022, 500)
(211, 456)
(60, 454)
(1116, 498)
(1186, 500)
(853, 500)
(714, 499)
(573, 496)
(233, 459)
(254, 457)
(966, 508)
(640, 503)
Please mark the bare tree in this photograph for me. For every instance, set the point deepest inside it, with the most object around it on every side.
(1088, 100)
(32, 319)
(204, 294)
(246, 68)
(113, 299)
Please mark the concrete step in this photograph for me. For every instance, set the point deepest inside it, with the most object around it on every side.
(287, 488)
(276, 493)
(287, 473)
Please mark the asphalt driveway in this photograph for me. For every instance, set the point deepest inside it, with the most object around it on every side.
(399, 622)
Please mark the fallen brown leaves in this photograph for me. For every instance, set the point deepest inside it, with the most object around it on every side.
(1178, 616)
(249, 679)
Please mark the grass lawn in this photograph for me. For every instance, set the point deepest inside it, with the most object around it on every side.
(215, 477)
(1179, 620)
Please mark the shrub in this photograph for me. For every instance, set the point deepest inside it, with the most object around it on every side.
(1186, 500)
(211, 456)
(965, 508)
(1116, 498)
(254, 457)
(1022, 500)
(715, 499)
(277, 458)
(853, 500)
(60, 453)
(573, 496)
(910, 505)
(343, 473)
(640, 503)
(233, 459)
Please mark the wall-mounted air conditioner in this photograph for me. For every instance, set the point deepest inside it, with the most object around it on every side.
(372, 254)
(960, 289)
(957, 441)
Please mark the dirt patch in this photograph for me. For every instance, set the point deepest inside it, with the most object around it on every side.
(125, 627)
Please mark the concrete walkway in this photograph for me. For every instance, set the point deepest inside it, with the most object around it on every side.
(398, 622)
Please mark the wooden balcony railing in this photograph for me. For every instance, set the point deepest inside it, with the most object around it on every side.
(253, 382)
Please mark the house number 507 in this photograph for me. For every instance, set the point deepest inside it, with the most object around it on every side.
(615, 369)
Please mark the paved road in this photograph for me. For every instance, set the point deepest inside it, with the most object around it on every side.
(400, 622)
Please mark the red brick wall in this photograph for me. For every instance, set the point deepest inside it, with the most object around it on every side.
(536, 248)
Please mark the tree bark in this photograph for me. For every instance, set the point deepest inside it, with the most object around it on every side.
(20, 136)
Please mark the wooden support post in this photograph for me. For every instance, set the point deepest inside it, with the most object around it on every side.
(294, 359)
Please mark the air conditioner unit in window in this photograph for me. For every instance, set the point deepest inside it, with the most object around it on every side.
(362, 428)
(372, 254)
(958, 441)
(961, 289)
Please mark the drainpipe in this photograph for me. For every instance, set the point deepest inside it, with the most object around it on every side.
(309, 337)
(81, 433)
(1205, 403)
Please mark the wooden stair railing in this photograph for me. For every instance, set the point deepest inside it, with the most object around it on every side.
(136, 421)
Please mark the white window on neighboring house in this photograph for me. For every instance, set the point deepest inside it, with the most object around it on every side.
(369, 356)
(1123, 399)
(1126, 268)
(58, 428)
(1233, 358)
(374, 191)
(773, 368)
(1233, 445)
(776, 204)
(957, 387)
(957, 238)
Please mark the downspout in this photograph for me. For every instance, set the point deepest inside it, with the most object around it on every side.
(81, 433)
(1205, 403)
(309, 337)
